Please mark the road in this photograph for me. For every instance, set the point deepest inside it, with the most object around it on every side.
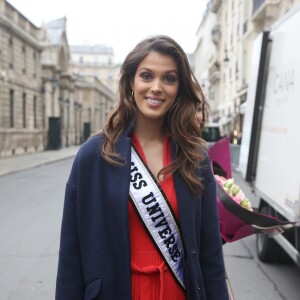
(31, 205)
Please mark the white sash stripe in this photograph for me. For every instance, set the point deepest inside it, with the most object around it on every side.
(157, 216)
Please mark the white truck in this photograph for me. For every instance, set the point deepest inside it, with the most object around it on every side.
(270, 148)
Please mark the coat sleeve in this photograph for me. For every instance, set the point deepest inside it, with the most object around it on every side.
(211, 255)
(69, 282)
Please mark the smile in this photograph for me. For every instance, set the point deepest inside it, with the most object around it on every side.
(154, 101)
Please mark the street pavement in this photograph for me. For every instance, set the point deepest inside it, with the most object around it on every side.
(27, 161)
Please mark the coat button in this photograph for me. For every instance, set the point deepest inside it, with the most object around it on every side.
(193, 252)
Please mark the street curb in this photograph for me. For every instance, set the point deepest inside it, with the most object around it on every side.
(37, 163)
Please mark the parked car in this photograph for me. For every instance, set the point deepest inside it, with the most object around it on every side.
(211, 133)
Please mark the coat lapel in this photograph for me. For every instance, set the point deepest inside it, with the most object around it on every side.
(186, 202)
(119, 187)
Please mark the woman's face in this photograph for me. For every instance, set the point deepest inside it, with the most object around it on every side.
(199, 115)
(155, 86)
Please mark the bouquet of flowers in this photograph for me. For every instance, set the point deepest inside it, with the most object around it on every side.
(234, 191)
(237, 217)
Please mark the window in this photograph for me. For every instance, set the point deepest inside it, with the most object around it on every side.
(24, 109)
(245, 27)
(34, 112)
(34, 64)
(11, 108)
(11, 53)
(24, 59)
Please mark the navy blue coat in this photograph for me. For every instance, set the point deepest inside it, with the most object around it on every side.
(94, 257)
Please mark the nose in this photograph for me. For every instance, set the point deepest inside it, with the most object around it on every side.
(156, 86)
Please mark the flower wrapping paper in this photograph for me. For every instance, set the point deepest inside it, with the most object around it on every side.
(237, 222)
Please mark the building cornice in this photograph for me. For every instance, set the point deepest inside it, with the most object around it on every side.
(22, 34)
(97, 85)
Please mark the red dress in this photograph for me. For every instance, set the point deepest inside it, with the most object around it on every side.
(151, 278)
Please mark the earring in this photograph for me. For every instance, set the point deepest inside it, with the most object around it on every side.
(132, 93)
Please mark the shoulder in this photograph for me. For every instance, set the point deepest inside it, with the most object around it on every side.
(91, 147)
(86, 159)
(206, 166)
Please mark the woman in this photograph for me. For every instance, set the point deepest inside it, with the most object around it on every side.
(202, 108)
(140, 218)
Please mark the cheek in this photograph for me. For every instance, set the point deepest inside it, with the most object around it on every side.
(173, 92)
(137, 84)
(198, 117)
(173, 99)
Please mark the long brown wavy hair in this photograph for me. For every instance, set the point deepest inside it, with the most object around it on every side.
(179, 121)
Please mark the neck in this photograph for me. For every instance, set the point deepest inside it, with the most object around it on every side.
(149, 131)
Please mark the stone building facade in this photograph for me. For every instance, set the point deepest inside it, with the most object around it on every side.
(58, 85)
(43, 105)
(22, 127)
(95, 101)
(97, 61)
(223, 54)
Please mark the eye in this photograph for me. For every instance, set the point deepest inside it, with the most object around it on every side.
(170, 78)
(146, 76)
(199, 109)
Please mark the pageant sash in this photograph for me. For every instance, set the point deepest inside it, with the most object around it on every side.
(157, 216)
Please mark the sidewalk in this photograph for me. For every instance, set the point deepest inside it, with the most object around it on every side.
(25, 161)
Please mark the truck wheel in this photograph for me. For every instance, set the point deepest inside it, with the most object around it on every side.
(267, 248)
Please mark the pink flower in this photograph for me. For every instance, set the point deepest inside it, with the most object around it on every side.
(234, 191)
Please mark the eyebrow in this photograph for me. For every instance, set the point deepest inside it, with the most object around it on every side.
(149, 70)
